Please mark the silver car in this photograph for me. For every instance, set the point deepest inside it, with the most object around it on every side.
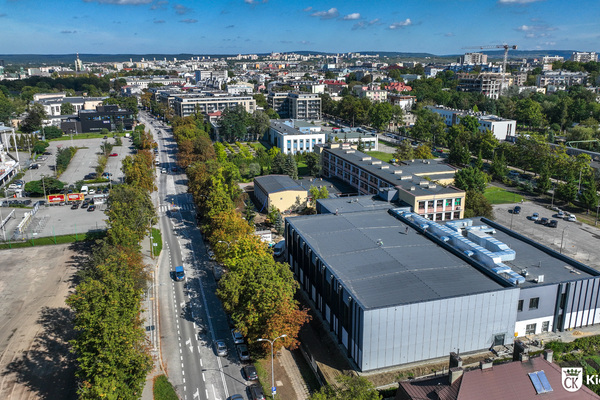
(237, 337)
(221, 348)
(243, 352)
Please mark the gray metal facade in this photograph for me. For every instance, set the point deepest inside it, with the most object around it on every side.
(422, 331)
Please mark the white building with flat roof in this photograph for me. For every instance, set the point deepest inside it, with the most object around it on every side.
(295, 136)
(500, 127)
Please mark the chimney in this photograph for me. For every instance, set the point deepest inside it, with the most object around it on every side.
(486, 364)
(455, 360)
(454, 374)
(519, 347)
(523, 357)
(548, 355)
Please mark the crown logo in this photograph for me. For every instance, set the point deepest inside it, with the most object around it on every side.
(572, 372)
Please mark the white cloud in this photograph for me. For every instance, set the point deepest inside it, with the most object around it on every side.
(521, 2)
(536, 31)
(67, 32)
(180, 9)
(307, 9)
(254, 2)
(401, 24)
(448, 34)
(189, 21)
(374, 21)
(121, 2)
(329, 14)
(358, 25)
(351, 17)
(159, 5)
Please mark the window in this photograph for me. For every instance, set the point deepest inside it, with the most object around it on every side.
(534, 303)
(520, 306)
(530, 329)
(545, 326)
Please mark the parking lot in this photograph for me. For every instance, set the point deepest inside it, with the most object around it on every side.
(84, 161)
(574, 239)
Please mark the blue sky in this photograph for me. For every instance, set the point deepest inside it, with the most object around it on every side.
(257, 26)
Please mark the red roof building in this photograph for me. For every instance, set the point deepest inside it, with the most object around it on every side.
(399, 86)
(528, 379)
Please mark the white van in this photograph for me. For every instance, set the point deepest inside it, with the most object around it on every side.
(84, 190)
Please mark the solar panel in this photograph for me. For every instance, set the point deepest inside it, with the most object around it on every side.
(537, 384)
(544, 381)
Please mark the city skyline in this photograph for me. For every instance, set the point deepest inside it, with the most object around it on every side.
(263, 26)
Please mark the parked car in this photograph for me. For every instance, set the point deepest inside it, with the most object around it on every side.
(236, 397)
(560, 214)
(92, 191)
(243, 352)
(75, 206)
(517, 210)
(85, 204)
(113, 155)
(237, 337)
(256, 392)
(553, 223)
(571, 218)
(221, 348)
(250, 372)
(535, 217)
(163, 171)
(543, 221)
(91, 208)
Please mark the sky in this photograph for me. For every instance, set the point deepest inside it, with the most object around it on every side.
(439, 27)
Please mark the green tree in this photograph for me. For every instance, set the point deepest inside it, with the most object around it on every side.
(423, 151)
(543, 180)
(67, 109)
(317, 193)
(348, 388)
(404, 151)
(589, 197)
(428, 127)
(138, 170)
(380, 115)
(290, 167)
(49, 184)
(130, 215)
(477, 205)
(249, 213)
(52, 132)
(34, 119)
(259, 124)
(40, 147)
(313, 163)
(459, 153)
(234, 123)
(471, 179)
(529, 112)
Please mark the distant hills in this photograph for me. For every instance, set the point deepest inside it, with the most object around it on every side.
(53, 59)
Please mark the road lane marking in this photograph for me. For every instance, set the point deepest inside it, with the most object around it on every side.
(203, 377)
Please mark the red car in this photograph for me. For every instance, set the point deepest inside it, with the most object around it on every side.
(113, 155)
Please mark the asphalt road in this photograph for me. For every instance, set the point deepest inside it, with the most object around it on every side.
(191, 315)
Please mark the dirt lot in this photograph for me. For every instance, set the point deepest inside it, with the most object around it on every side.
(35, 362)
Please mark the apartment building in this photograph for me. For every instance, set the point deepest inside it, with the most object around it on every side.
(185, 105)
(143, 83)
(473, 58)
(203, 75)
(374, 94)
(584, 56)
(489, 84)
(404, 102)
(405, 184)
(295, 105)
(500, 127)
(561, 79)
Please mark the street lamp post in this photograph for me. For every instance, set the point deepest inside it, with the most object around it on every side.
(562, 239)
(273, 389)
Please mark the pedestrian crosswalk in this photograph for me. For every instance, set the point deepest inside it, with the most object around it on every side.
(171, 206)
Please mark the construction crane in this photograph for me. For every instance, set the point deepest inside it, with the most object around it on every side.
(506, 47)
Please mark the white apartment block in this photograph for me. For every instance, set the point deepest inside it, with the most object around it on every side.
(584, 57)
(185, 105)
(295, 136)
(203, 75)
(473, 58)
(240, 88)
(551, 59)
(143, 83)
(375, 95)
(500, 127)
(561, 79)
(404, 102)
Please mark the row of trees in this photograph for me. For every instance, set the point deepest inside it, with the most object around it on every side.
(361, 111)
(111, 352)
(257, 292)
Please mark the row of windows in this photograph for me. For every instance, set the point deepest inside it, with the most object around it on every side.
(531, 328)
(534, 303)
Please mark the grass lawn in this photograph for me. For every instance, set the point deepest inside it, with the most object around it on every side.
(496, 195)
(163, 390)
(381, 155)
(49, 240)
(302, 169)
(88, 136)
(156, 238)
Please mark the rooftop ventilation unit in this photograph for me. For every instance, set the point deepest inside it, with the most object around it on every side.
(432, 186)
(412, 188)
(539, 279)
(397, 171)
(376, 162)
(385, 167)
(349, 151)
(366, 159)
